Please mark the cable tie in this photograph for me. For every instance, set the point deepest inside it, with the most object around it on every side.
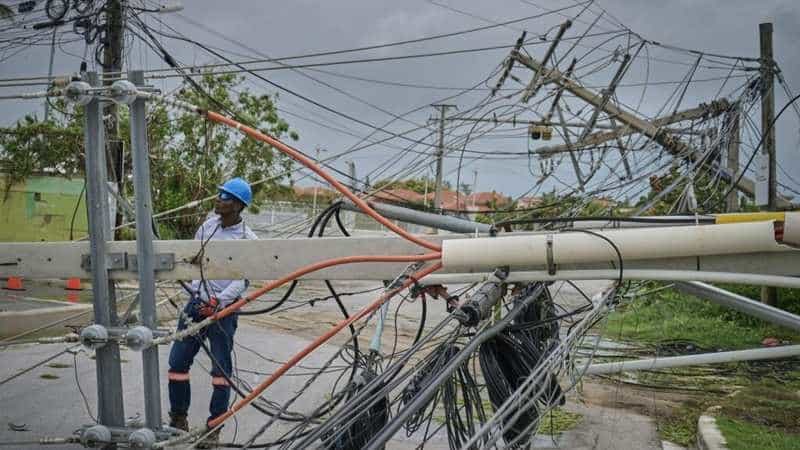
(551, 266)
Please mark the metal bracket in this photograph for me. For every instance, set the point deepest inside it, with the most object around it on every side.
(164, 261)
(114, 261)
(551, 266)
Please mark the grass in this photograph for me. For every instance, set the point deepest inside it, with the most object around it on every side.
(49, 376)
(668, 315)
(764, 413)
(680, 425)
(558, 421)
(741, 435)
(58, 365)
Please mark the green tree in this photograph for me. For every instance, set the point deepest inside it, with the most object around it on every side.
(189, 155)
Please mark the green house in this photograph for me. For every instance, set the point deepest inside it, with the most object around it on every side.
(43, 208)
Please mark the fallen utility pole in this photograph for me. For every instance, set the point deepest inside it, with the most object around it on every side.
(755, 354)
(649, 129)
(440, 221)
(715, 108)
(740, 303)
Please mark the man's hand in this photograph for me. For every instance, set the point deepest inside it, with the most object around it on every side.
(208, 308)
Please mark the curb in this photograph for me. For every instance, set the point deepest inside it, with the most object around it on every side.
(708, 435)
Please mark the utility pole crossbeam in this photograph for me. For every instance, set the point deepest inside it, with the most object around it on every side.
(109, 374)
(145, 253)
(535, 83)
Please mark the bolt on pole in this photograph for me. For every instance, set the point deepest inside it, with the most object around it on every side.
(109, 372)
(145, 253)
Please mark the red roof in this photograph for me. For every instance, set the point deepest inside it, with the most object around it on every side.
(301, 191)
(398, 195)
(449, 199)
(487, 199)
(528, 202)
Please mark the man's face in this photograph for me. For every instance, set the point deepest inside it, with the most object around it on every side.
(226, 205)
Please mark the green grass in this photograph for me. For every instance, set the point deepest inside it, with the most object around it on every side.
(558, 421)
(765, 411)
(741, 435)
(668, 315)
(680, 425)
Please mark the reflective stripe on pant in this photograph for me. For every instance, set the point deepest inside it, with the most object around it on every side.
(181, 356)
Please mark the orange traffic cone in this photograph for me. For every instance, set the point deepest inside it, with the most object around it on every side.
(14, 284)
(74, 284)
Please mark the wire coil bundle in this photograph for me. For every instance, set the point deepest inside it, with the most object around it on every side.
(507, 359)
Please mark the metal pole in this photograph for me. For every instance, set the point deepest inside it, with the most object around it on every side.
(442, 222)
(109, 374)
(740, 303)
(787, 351)
(437, 196)
(769, 295)
(145, 255)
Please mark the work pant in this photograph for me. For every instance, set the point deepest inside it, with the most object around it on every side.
(220, 335)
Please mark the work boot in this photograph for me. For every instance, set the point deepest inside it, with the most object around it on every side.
(179, 421)
(210, 441)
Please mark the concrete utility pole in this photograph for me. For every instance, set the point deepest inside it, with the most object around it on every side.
(145, 254)
(109, 373)
(351, 169)
(112, 67)
(769, 295)
(437, 196)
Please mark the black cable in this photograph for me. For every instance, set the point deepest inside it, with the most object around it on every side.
(611, 243)
(75, 211)
(314, 225)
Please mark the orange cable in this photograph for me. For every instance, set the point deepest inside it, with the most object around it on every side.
(319, 341)
(319, 266)
(302, 159)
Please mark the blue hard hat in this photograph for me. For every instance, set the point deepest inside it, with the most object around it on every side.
(238, 188)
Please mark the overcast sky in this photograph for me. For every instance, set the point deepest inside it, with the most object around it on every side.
(276, 29)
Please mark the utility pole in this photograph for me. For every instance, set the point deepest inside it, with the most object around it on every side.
(318, 151)
(145, 253)
(112, 68)
(351, 169)
(474, 184)
(110, 409)
(769, 295)
(437, 196)
(732, 202)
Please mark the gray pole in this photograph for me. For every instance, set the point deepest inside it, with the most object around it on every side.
(351, 168)
(145, 255)
(109, 374)
(740, 303)
(769, 295)
(438, 221)
(437, 196)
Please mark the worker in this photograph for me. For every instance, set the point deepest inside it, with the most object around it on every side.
(206, 298)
